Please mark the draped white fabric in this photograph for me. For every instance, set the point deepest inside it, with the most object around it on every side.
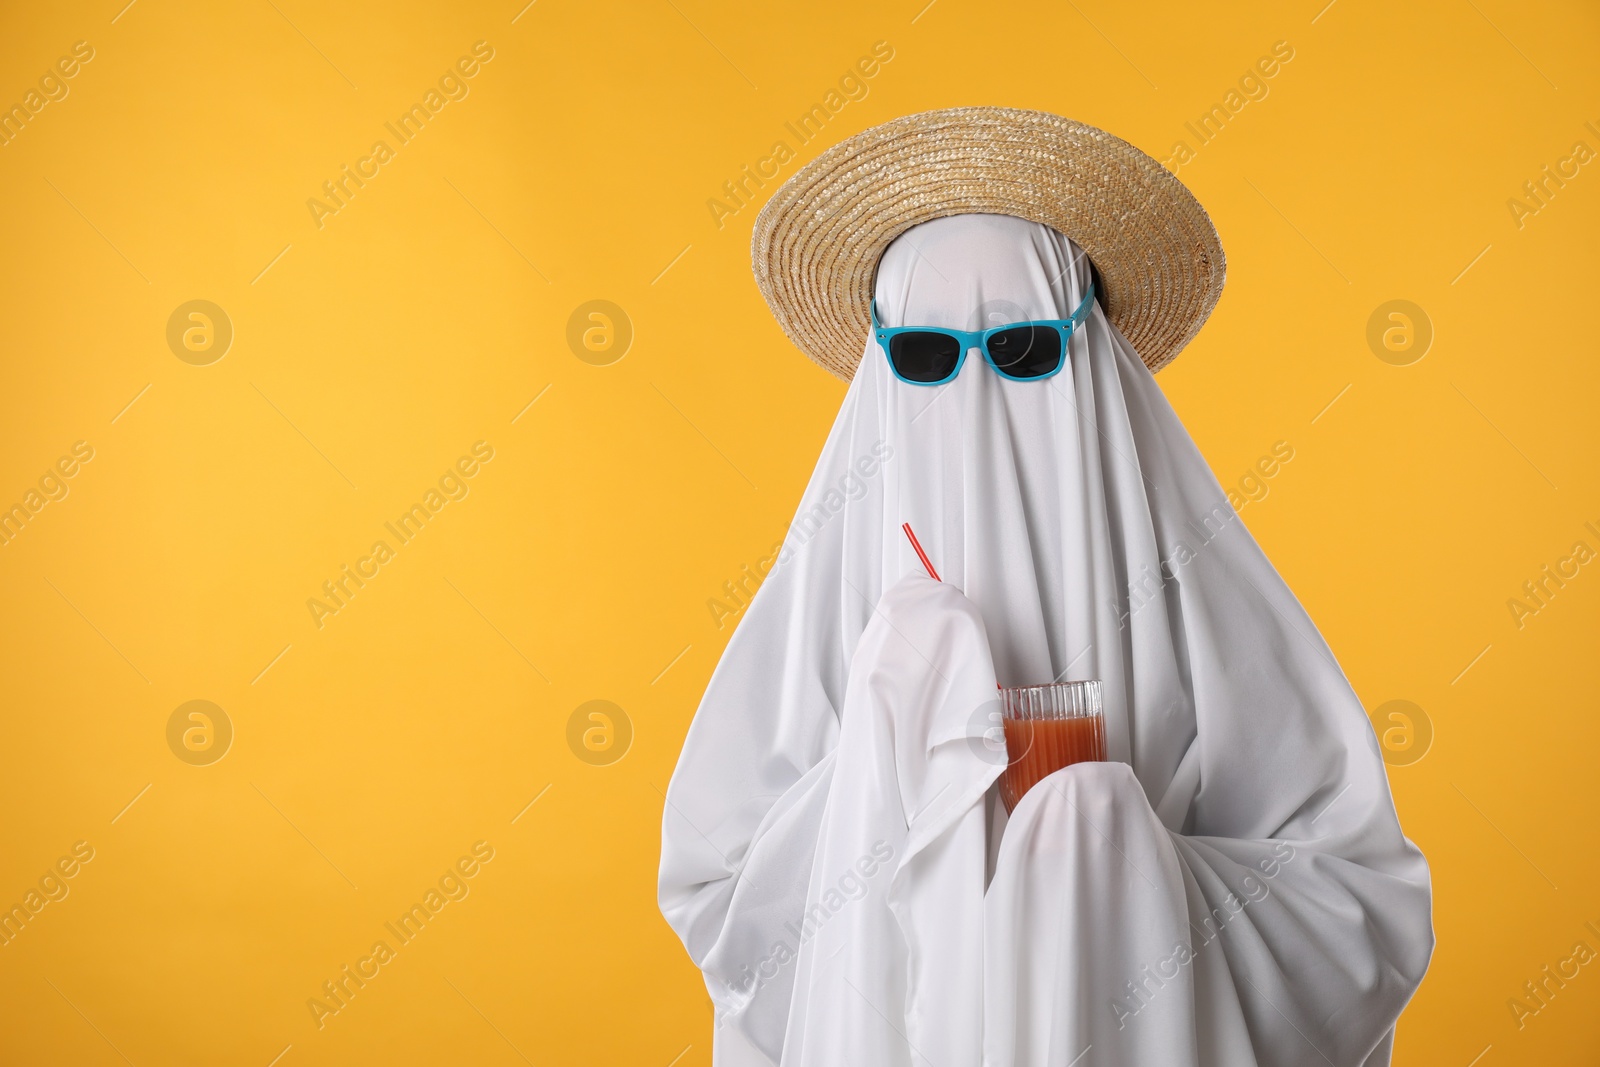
(1232, 889)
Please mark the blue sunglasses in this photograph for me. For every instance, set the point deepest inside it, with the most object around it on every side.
(1019, 351)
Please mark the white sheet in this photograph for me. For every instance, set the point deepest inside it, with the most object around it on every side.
(1233, 889)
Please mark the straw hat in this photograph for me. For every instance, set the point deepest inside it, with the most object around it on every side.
(817, 242)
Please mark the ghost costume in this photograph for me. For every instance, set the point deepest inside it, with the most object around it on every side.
(1231, 888)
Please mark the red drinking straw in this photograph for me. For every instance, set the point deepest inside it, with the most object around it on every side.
(923, 556)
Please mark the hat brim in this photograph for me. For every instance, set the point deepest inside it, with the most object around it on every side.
(817, 242)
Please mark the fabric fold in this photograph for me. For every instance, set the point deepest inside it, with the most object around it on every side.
(892, 960)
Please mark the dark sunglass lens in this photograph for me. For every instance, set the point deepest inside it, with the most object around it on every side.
(924, 357)
(1026, 351)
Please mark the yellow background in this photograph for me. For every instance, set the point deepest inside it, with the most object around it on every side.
(368, 354)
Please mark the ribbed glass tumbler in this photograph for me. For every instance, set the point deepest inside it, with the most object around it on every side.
(1048, 727)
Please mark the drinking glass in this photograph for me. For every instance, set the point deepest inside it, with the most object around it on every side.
(1048, 727)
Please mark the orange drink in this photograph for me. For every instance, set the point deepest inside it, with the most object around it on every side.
(1048, 727)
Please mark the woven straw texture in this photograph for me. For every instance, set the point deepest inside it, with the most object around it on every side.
(817, 242)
